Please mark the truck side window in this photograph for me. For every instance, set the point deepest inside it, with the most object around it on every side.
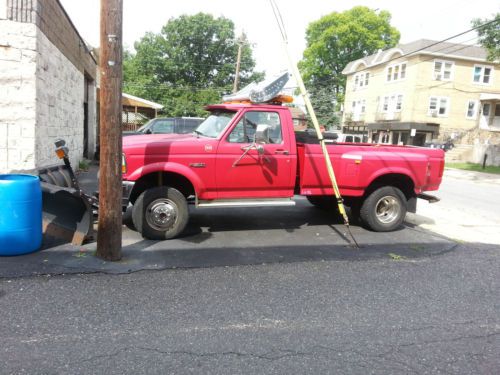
(244, 131)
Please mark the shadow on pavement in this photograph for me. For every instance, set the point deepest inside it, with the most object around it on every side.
(141, 256)
(237, 237)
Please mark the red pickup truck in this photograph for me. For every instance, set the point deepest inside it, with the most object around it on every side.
(248, 155)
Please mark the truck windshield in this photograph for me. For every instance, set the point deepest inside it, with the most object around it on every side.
(215, 124)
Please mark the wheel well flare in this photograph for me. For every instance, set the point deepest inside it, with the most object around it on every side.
(400, 181)
(162, 178)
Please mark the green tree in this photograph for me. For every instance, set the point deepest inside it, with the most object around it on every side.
(189, 64)
(489, 35)
(331, 43)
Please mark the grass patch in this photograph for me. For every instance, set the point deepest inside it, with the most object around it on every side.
(80, 254)
(84, 165)
(474, 167)
(396, 256)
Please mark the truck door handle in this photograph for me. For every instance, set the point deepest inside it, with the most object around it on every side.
(283, 152)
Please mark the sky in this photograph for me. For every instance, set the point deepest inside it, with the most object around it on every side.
(429, 19)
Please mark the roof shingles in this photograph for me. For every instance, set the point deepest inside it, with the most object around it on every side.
(421, 46)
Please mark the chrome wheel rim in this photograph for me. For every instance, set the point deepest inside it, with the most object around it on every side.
(387, 209)
(161, 214)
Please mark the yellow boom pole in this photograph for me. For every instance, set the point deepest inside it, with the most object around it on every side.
(310, 109)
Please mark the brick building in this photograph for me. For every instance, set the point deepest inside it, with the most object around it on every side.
(47, 86)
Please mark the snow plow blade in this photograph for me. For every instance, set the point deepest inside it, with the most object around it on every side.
(67, 212)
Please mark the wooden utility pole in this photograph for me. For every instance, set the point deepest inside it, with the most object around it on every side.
(237, 74)
(109, 233)
(241, 41)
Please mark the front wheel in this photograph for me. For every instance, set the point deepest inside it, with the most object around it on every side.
(384, 210)
(160, 213)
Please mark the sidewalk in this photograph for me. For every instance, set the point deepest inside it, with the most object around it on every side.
(469, 209)
(488, 178)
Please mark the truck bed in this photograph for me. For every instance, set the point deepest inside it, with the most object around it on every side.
(357, 165)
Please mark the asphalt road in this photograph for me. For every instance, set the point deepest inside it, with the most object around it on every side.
(433, 315)
(268, 291)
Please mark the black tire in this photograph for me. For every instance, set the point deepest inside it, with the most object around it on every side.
(160, 213)
(384, 210)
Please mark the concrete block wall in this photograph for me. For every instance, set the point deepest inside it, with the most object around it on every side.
(59, 104)
(43, 62)
(18, 42)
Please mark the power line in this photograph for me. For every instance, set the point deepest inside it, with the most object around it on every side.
(221, 90)
(451, 49)
(168, 86)
(454, 48)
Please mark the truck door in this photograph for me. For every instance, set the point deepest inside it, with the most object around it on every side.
(255, 175)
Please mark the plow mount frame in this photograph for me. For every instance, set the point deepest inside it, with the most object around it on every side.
(67, 212)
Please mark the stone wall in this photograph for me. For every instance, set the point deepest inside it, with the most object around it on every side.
(43, 65)
(18, 43)
(53, 21)
(59, 104)
(491, 151)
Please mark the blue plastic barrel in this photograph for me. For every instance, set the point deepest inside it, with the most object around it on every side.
(20, 214)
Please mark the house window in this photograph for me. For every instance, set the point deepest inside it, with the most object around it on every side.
(361, 80)
(358, 107)
(471, 109)
(483, 74)
(395, 77)
(438, 106)
(392, 103)
(443, 70)
(399, 103)
(385, 106)
(396, 72)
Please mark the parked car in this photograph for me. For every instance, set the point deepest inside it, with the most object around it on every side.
(168, 125)
(351, 138)
(330, 136)
(446, 146)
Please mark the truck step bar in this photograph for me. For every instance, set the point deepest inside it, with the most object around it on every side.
(428, 197)
(257, 202)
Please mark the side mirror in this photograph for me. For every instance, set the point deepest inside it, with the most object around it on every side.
(148, 131)
(262, 134)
